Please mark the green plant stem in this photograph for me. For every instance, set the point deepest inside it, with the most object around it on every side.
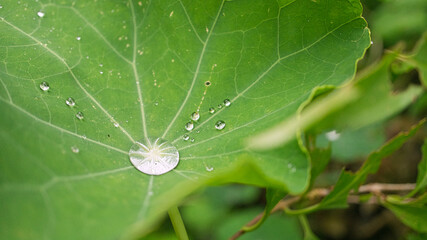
(308, 234)
(177, 223)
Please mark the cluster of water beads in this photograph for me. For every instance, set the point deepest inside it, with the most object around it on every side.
(154, 156)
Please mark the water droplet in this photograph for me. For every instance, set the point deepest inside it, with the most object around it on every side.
(192, 140)
(185, 137)
(220, 106)
(290, 165)
(116, 125)
(372, 42)
(207, 83)
(156, 103)
(211, 110)
(189, 126)
(101, 65)
(44, 86)
(293, 170)
(75, 149)
(195, 116)
(220, 125)
(227, 102)
(154, 156)
(209, 169)
(101, 72)
(40, 14)
(198, 131)
(1, 6)
(78, 38)
(79, 115)
(70, 102)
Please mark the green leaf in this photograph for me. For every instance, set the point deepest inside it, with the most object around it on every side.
(422, 172)
(413, 214)
(420, 58)
(138, 69)
(351, 181)
(366, 100)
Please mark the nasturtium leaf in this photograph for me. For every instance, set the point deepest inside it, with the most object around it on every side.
(137, 70)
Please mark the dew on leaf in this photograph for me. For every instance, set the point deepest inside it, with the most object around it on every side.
(75, 149)
(211, 110)
(189, 126)
(1, 6)
(220, 106)
(185, 137)
(195, 116)
(116, 125)
(40, 14)
(154, 156)
(207, 83)
(78, 38)
(70, 102)
(156, 103)
(220, 125)
(192, 140)
(101, 72)
(209, 169)
(79, 115)
(44, 86)
(227, 102)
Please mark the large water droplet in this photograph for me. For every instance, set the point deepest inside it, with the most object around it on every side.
(220, 125)
(189, 126)
(44, 86)
(195, 116)
(79, 115)
(70, 102)
(40, 14)
(154, 156)
(227, 102)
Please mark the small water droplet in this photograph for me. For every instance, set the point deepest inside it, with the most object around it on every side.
(116, 125)
(40, 14)
(78, 38)
(44, 86)
(209, 169)
(156, 103)
(195, 116)
(189, 126)
(220, 125)
(192, 140)
(154, 156)
(84, 137)
(198, 131)
(79, 115)
(185, 137)
(101, 65)
(1, 6)
(101, 72)
(290, 165)
(207, 83)
(75, 149)
(70, 102)
(227, 102)
(220, 106)
(372, 42)
(293, 170)
(211, 110)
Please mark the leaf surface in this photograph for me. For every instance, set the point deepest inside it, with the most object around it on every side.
(136, 70)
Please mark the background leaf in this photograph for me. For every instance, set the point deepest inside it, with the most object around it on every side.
(137, 69)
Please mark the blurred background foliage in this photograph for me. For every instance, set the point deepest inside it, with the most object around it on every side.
(218, 212)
